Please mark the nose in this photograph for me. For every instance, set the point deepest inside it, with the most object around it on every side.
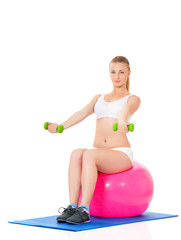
(117, 76)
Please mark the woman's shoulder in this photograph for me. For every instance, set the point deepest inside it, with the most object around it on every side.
(134, 98)
(134, 95)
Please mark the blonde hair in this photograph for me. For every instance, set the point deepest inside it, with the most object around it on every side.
(122, 60)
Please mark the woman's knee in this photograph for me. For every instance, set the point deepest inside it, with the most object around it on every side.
(76, 155)
(88, 155)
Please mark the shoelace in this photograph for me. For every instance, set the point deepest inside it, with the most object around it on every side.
(65, 210)
(78, 211)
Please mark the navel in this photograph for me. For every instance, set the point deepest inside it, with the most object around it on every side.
(104, 140)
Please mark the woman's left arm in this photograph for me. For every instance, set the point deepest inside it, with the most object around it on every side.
(131, 107)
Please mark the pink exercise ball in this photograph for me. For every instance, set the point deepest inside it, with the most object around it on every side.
(123, 194)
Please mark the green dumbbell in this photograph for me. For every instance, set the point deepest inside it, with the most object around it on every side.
(60, 128)
(130, 127)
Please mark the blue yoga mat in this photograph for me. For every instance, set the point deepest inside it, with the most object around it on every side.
(96, 222)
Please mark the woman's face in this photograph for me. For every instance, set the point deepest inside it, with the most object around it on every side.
(119, 74)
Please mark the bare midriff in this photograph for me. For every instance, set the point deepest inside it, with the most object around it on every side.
(105, 137)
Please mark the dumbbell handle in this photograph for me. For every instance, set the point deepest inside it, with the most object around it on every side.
(130, 127)
(60, 128)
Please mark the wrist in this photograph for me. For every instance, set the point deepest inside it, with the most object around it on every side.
(121, 121)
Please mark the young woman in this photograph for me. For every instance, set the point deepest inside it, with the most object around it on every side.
(111, 151)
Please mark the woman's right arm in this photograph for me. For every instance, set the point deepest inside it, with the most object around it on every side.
(77, 116)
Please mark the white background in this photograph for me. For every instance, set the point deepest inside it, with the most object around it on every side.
(54, 57)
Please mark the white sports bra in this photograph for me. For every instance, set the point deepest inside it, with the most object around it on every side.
(110, 109)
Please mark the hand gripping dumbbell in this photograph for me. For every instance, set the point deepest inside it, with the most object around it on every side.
(60, 128)
(130, 127)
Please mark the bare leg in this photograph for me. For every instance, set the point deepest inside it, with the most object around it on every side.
(74, 175)
(89, 178)
(106, 161)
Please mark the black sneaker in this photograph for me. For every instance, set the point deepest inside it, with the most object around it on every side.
(68, 212)
(80, 216)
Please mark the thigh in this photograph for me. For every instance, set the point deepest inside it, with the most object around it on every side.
(109, 161)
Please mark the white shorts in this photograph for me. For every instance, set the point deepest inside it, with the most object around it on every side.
(126, 150)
